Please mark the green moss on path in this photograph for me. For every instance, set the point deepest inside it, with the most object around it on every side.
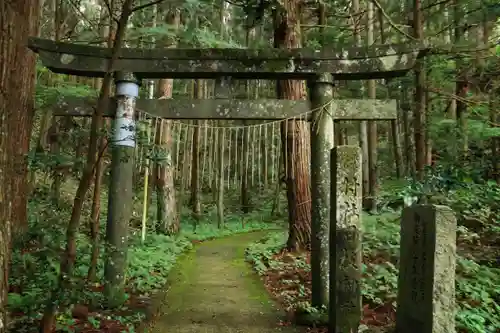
(213, 289)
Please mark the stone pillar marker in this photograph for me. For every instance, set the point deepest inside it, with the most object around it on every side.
(426, 284)
(322, 141)
(120, 189)
(345, 240)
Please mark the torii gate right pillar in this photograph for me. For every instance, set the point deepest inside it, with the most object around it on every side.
(324, 219)
(322, 141)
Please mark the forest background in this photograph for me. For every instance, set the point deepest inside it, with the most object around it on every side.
(443, 148)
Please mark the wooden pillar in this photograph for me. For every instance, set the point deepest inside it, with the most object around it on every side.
(120, 189)
(322, 141)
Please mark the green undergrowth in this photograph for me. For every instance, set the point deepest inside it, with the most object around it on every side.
(35, 262)
(477, 287)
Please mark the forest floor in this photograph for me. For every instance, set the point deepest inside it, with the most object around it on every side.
(35, 267)
(209, 281)
(213, 289)
(287, 277)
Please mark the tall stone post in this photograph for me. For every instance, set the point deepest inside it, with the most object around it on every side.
(120, 188)
(426, 284)
(345, 240)
(322, 141)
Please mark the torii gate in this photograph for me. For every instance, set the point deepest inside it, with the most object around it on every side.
(318, 67)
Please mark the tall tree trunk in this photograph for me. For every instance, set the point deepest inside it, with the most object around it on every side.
(55, 127)
(394, 124)
(41, 144)
(370, 202)
(493, 112)
(69, 256)
(220, 179)
(167, 217)
(494, 141)
(294, 134)
(218, 84)
(195, 200)
(95, 213)
(244, 168)
(153, 124)
(17, 74)
(461, 83)
(446, 25)
(20, 71)
(396, 147)
(407, 112)
(419, 115)
(362, 129)
(428, 141)
(429, 105)
(406, 119)
(264, 153)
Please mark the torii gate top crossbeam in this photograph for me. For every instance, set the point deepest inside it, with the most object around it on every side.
(383, 61)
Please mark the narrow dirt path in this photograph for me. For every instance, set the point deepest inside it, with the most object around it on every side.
(213, 289)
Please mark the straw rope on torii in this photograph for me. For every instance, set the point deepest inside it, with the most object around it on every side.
(246, 164)
(233, 109)
(251, 165)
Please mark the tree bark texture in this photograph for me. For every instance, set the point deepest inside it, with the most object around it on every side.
(244, 168)
(69, 257)
(370, 202)
(195, 199)
(294, 134)
(167, 217)
(419, 116)
(363, 129)
(17, 73)
(95, 214)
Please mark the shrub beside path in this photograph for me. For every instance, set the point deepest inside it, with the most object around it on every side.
(213, 289)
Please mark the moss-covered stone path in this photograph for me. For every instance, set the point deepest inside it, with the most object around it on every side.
(213, 289)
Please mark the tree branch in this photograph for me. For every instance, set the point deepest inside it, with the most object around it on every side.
(110, 11)
(390, 21)
(149, 4)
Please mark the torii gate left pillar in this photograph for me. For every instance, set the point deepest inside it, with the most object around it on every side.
(120, 197)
